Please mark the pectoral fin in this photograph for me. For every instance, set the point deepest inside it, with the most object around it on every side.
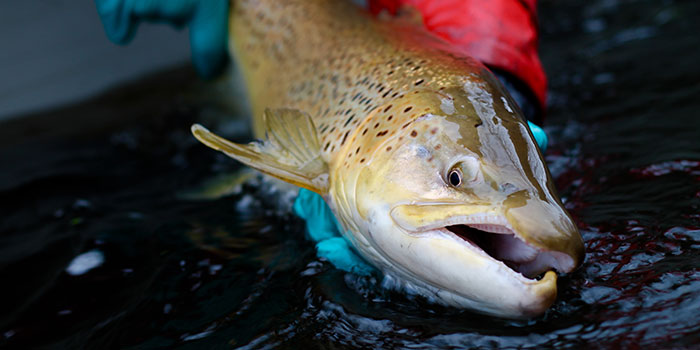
(290, 152)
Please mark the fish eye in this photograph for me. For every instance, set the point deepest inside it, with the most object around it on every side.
(463, 172)
(455, 177)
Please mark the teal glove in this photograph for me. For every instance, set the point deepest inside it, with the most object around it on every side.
(207, 20)
(323, 229)
(540, 136)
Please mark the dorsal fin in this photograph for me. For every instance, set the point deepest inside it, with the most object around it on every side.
(290, 151)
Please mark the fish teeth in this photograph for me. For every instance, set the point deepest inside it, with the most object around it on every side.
(485, 219)
(491, 228)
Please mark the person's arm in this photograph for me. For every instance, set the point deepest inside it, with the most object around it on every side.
(502, 34)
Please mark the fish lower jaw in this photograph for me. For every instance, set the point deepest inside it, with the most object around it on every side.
(474, 248)
(450, 270)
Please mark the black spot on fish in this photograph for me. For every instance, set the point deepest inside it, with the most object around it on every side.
(349, 120)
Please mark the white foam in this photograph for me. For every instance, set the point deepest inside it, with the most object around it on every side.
(85, 262)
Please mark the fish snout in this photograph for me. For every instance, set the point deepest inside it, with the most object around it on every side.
(548, 227)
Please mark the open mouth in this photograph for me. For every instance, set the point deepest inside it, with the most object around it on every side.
(500, 243)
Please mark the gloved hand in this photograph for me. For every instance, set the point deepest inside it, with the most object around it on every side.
(207, 21)
(540, 136)
(323, 229)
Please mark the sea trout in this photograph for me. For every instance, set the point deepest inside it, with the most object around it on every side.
(425, 160)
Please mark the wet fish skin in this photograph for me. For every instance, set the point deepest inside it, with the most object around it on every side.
(375, 115)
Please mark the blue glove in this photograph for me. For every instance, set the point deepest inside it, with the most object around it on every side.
(323, 229)
(207, 20)
(540, 136)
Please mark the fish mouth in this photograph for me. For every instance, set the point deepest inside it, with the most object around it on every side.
(475, 260)
(492, 237)
(487, 233)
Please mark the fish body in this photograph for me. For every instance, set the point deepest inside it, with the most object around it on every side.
(425, 160)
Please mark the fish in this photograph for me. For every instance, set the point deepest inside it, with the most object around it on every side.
(425, 160)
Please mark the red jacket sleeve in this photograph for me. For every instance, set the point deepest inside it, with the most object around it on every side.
(500, 33)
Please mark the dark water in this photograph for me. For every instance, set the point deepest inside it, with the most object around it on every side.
(101, 183)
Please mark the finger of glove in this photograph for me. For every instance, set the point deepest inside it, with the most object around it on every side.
(320, 221)
(337, 251)
(540, 136)
(209, 36)
(120, 18)
(116, 20)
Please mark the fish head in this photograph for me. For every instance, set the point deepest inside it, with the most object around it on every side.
(447, 191)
